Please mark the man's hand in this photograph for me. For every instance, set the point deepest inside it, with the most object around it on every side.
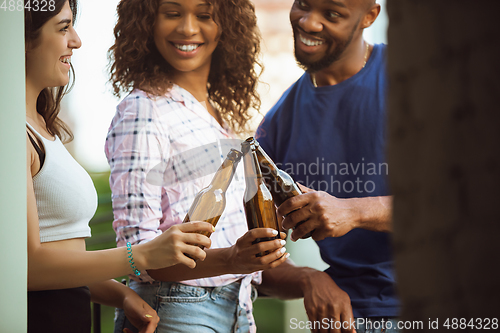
(328, 216)
(324, 299)
(324, 215)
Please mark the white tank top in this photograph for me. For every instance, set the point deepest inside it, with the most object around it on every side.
(66, 198)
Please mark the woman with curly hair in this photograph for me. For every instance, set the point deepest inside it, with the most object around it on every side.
(188, 67)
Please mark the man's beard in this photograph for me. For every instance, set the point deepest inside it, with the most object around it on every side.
(330, 57)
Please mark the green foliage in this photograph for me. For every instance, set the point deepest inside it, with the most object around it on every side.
(103, 235)
(269, 314)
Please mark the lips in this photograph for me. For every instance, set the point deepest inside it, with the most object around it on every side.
(65, 59)
(310, 42)
(309, 45)
(187, 47)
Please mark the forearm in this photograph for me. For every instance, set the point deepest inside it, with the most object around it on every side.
(50, 268)
(241, 258)
(216, 263)
(286, 281)
(109, 292)
(114, 294)
(375, 213)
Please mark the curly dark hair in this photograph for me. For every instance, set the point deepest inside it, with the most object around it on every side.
(135, 62)
(48, 103)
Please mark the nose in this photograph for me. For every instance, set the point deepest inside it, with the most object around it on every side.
(310, 22)
(188, 26)
(74, 42)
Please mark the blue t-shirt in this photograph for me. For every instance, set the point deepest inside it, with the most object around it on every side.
(333, 139)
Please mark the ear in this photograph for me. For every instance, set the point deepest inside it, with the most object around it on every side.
(370, 16)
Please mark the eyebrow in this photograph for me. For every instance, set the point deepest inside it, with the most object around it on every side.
(207, 4)
(169, 3)
(337, 3)
(64, 21)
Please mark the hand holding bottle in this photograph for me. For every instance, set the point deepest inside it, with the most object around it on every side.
(243, 255)
(171, 247)
(280, 184)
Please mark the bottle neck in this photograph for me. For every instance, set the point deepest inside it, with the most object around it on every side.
(253, 175)
(266, 161)
(224, 175)
(252, 168)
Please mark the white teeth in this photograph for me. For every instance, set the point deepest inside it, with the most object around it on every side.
(309, 42)
(66, 60)
(187, 48)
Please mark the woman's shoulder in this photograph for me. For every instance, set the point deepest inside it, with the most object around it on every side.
(136, 94)
(145, 97)
(140, 104)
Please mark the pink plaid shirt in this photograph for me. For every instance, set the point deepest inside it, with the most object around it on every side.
(162, 151)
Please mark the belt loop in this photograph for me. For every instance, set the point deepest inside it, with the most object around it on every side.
(168, 286)
(214, 292)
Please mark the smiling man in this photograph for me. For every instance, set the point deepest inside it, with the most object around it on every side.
(328, 132)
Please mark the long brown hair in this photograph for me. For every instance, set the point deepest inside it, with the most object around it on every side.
(136, 63)
(48, 103)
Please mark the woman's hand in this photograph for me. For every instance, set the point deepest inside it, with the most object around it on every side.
(244, 259)
(171, 247)
(140, 314)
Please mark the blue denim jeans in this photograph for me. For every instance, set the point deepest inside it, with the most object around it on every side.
(377, 325)
(188, 309)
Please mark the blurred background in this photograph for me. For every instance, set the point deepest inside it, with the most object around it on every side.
(90, 106)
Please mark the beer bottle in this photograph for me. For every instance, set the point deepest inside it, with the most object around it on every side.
(258, 201)
(280, 184)
(209, 203)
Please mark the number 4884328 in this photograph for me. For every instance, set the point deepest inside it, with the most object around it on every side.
(30, 5)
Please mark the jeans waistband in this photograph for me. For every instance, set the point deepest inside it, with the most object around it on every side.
(228, 291)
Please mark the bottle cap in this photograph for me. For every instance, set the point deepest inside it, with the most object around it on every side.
(234, 155)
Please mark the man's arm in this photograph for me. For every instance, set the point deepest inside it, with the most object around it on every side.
(322, 297)
(328, 216)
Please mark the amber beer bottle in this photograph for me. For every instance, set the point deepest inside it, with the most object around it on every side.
(280, 184)
(258, 201)
(209, 203)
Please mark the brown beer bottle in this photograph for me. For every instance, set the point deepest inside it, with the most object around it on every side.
(210, 202)
(280, 184)
(258, 201)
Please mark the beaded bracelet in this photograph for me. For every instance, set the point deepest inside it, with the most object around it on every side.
(131, 260)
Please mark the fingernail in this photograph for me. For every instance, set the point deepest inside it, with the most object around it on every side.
(283, 250)
(283, 242)
(287, 255)
(213, 229)
(148, 316)
(275, 232)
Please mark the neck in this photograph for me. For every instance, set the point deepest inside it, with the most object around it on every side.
(196, 83)
(348, 65)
